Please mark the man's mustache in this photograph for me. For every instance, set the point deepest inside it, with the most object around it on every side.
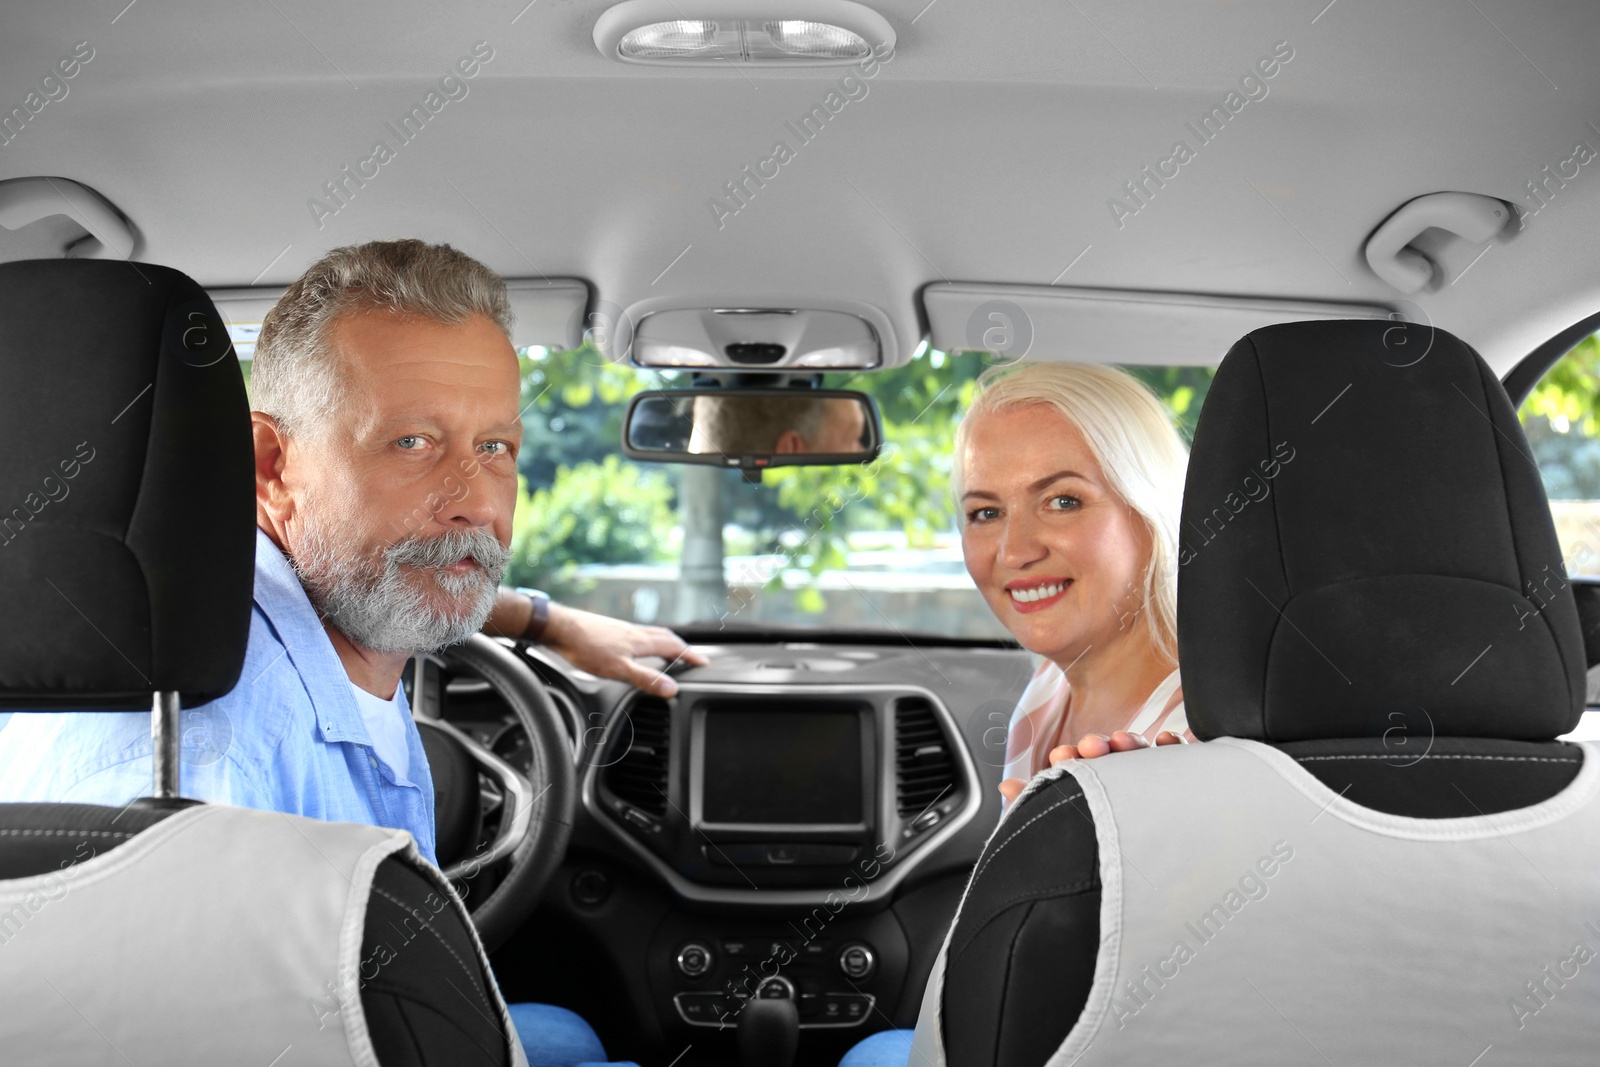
(448, 548)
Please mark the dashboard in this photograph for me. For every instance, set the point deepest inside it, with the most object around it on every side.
(798, 821)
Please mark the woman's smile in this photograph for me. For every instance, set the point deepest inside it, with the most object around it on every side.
(1036, 594)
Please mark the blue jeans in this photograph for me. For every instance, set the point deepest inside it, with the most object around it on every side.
(556, 1037)
(888, 1048)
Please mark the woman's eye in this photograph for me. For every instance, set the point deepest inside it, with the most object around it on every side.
(982, 514)
(1063, 503)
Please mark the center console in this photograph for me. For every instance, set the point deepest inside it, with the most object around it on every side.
(781, 817)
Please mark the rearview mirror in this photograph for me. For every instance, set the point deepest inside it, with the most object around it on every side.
(752, 429)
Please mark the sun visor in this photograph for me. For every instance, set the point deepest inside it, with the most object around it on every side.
(545, 311)
(548, 311)
(1127, 326)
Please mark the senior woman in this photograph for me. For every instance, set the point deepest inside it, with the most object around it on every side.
(1069, 479)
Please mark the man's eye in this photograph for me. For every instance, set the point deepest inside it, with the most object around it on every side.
(410, 443)
(495, 448)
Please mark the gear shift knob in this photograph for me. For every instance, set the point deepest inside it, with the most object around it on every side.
(769, 1032)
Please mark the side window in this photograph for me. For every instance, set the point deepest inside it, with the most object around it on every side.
(1562, 420)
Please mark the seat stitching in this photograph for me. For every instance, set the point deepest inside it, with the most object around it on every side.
(1019, 830)
(405, 1020)
(1450, 755)
(1277, 536)
(1005, 980)
(428, 926)
(70, 833)
(1066, 887)
(422, 1002)
(999, 909)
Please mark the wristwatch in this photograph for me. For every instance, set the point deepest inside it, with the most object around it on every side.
(541, 613)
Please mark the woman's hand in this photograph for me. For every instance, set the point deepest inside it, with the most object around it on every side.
(1090, 746)
(1093, 746)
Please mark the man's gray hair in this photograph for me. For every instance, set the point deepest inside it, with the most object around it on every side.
(294, 377)
(751, 425)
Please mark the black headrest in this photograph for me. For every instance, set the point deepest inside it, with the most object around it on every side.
(1365, 532)
(127, 514)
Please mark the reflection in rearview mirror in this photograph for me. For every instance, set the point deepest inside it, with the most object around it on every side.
(778, 425)
(753, 427)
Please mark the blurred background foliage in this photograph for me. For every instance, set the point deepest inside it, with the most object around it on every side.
(1569, 395)
(610, 511)
(1562, 420)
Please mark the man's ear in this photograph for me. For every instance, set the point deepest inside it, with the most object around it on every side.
(789, 443)
(272, 454)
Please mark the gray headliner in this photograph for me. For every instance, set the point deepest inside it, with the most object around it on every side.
(984, 152)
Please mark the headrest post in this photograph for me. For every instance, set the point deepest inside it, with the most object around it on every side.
(166, 744)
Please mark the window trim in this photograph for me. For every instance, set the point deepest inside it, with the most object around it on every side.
(1521, 379)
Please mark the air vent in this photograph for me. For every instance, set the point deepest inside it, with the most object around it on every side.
(639, 776)
(924, 769)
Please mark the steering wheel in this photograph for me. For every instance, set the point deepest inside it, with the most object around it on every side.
(538, 814)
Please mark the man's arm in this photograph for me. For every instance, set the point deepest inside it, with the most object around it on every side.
(595, 643)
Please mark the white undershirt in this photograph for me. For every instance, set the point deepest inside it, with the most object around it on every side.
(386, 725)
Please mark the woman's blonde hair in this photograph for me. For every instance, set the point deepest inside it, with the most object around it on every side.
(1132, 438)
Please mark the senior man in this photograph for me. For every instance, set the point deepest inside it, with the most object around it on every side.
(386, 445)
(778, 425)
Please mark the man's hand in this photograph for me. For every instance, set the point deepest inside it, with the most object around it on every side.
(609, 647)
(1090, 746)
(597, 643)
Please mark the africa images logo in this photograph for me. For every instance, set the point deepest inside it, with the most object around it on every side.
(742, 188)
(1141, 987)
(1252, 489)
(53, 88)
(342, 188)
(53, 488)
(1142, 187)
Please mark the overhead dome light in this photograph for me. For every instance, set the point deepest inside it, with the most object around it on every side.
(662, 40)
(680, 37)
(740, 31)
(816, 40)
(742, 41)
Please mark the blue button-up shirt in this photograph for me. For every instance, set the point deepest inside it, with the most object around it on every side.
(289, 737)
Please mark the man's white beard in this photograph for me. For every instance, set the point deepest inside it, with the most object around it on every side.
(377, 605)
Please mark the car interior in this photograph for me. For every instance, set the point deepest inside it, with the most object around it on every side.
(730, 233)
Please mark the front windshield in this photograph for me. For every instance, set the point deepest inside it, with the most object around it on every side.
(851, 547)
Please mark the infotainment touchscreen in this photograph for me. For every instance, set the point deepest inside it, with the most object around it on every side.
(786, 767)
